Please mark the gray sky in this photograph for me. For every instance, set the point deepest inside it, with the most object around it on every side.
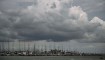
(81, 21)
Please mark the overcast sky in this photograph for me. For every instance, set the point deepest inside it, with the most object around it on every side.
(79, 21)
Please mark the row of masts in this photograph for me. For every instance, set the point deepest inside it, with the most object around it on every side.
(22, 49)
(35, 45)
(23, 46)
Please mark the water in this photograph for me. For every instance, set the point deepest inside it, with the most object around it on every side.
(50, 58)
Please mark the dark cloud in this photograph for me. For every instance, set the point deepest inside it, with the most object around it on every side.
(41, 22)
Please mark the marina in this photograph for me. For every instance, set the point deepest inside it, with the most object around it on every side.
(35, 51)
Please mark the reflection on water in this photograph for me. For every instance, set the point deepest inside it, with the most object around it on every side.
(72, 59)
(50, 58)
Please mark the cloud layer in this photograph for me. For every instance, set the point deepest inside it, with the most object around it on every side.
(50, 20)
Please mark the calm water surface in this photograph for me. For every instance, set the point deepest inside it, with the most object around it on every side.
(50, 58)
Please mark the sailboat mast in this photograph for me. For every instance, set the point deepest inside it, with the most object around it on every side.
(19, 45)
(8, 45)
(24, 46)
(34, 47)
(13, 46)
(28, 47)
(0, 46)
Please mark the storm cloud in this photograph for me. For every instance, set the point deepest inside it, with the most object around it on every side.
(50, 20)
